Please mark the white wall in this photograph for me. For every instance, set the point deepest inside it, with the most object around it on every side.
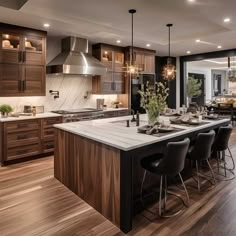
(72, 89)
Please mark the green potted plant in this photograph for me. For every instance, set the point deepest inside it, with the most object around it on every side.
(193, 88)
(154, 101)
(5, 110)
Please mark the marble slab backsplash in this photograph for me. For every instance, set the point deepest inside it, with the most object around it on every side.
(72, 90)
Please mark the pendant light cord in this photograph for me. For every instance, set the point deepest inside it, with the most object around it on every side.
(132, 39)
(132, 11)
(169, 41)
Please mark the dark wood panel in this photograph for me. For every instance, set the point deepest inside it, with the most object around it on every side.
(34, 83)
(25, 62)
(20, 126)
(27, 138)
(23, 151)
(92, 171)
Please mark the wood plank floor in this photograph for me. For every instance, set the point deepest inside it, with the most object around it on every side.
(33, 203)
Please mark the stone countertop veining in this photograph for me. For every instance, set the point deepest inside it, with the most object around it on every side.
(38, 116)
(113, 131)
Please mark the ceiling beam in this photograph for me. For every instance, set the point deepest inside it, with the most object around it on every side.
(13, 4)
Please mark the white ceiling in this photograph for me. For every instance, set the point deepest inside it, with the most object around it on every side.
(214, 64)
(109, 20)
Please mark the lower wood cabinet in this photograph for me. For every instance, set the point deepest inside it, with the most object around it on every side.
(27, 138)
(110, 114)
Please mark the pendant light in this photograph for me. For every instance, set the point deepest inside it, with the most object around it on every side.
(169, 69)
(132, 68)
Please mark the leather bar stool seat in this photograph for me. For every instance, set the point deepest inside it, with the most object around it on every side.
(169, 164)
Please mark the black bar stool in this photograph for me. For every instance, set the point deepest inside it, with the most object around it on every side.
(201, 151)
(169, 164)
(221, 144)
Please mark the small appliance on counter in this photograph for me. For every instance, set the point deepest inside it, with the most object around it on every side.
(37, 109)
(100, 103)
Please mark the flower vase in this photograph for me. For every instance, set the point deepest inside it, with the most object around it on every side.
(4, 114)
(153, 116)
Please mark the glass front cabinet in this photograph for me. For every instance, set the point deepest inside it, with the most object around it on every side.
(22, 61)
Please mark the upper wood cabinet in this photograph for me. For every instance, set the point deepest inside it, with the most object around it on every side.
(22, 61)
(143, 58)
(113, 58)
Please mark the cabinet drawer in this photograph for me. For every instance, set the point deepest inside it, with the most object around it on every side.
(25, 125)
(49, 122)
(48, 146)
(19, 137)
(123, 113)
(23, 151)
(48, 132)
(110, 114)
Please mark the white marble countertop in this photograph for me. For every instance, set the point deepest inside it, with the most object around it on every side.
(38, 116)
(113, 131)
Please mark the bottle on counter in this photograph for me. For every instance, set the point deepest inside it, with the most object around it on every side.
(34, 111)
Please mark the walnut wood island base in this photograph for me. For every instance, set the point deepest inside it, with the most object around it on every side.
(107, 177)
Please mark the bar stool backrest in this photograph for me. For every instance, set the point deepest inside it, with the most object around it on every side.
(222, 138)
(202, 146)
(173, 162)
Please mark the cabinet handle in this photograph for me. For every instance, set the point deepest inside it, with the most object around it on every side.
(23, 85)
(49, 146)
(24, 56)
(23, 125)
(22, 136)
(50, 132)
(19, 56)
(22, 151)
(19, 85)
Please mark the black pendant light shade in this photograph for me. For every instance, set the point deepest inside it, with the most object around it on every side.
(169, 70)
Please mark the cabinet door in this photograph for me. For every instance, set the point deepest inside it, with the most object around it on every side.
(10, 48)
(149, 63)
(10, 84)
(118, 62)
(107, 58)
(34, 50)
(118, 83)
(34, 80)
(139, 60)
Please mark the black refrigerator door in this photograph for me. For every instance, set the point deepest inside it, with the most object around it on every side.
(135, 99)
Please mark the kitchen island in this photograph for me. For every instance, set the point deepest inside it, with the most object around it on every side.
(99, 161)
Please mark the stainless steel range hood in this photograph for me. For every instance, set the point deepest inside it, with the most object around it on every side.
(75, 60)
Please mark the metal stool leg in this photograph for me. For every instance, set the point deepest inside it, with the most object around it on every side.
(165, 196)
(231, 156)
(185, 189)
(160, 197)
(141, 190)
(198, 180)
(212, 173)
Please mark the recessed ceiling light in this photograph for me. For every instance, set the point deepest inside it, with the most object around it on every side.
(118, 41)
(219, 46)
(227, 19)
(198, 40)
(46, 25)
(148, 45)
(188, 52)
(191, 0)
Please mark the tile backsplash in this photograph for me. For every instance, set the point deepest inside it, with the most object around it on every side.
(72, 90)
